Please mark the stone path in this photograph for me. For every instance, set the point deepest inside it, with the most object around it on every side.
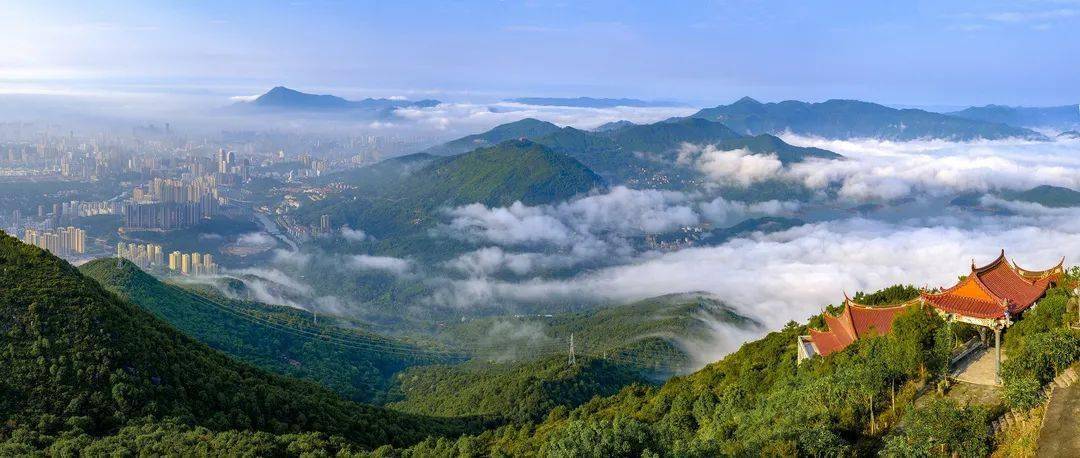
(978, 367)
(1060, 434)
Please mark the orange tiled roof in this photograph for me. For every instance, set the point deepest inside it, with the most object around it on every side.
(995, 289)
(855, 321)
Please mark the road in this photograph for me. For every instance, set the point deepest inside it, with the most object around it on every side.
(1060, 435)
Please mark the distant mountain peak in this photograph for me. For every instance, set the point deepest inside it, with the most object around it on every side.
(283, 98)
(747, 100)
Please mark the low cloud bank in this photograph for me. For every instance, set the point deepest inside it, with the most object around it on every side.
(521, 238)
(885, 170)
(475, 117)
(791, 274)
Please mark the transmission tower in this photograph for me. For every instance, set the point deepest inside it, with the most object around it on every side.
(570, 360)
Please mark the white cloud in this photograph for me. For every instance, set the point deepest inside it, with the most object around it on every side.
(723, 212)
(294, 258)
(886, 170)
(396, 266)
(256, 239)
(473, 117)
(621, 210)
(492, 260)
(1033, 15)
(733, 167)
(244, 98)
(791, 274)
(355, 235)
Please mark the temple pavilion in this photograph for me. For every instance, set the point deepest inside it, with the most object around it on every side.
(991, 296)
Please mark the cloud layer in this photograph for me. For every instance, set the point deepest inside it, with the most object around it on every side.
(474, 117)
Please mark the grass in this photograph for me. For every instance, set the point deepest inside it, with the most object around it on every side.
(1020, 439)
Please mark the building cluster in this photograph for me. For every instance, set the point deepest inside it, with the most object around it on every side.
(146, 256)
(172, 204)
(192, 263)
(228, 164)
(151, 256)
(77, 208)
(61, 242)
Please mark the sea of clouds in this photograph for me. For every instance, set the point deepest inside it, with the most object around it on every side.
(774, 277)
(786, 275)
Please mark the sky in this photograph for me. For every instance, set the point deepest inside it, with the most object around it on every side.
(925, 53)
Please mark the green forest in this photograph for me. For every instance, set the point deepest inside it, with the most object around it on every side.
(80, 366)
(85, 369)
(284, 340)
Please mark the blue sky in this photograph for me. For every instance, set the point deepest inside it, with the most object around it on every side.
(702, 52)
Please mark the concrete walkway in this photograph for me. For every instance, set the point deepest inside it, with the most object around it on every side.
(1060, 434)
(978, 367)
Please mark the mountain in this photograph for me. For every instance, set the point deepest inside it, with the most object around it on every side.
(1045, 195)
(656, 336)
(874, 398)
(276, 338)
(283, 99)
(613, 125)
(77, 364)
(644, 155)
(1060, 117)
(381, 175)
(512, 171)
(527, 128)
(517, 391)
(845, 119)
(590, 102)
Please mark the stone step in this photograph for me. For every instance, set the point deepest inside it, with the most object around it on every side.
(1069, 376)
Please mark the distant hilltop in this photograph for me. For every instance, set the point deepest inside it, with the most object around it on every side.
(846, 119)
(282, 98)
(1057, 117)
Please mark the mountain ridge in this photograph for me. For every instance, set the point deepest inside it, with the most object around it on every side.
(281, 98)
(1060, 117)
(78, 360)
(847, 119)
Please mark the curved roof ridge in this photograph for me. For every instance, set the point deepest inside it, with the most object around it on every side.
(907, 303)
(991, 265)
(1038, 274)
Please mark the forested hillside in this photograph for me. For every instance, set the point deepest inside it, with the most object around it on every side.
(357, 364)
(759, 401)
(647, 155)
(517, 391)
(525, 128)
(654, 336)
(497, 176)
(77, 364)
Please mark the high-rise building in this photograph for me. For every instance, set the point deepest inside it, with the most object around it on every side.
(174, 260)
(324, 224)
(185, 264)
(145, 256)
(61, 242)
